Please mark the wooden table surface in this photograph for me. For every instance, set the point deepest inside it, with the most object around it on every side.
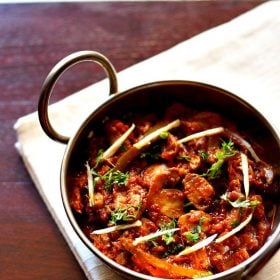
(33, 37)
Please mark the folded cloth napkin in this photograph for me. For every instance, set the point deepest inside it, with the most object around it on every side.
(241, 56)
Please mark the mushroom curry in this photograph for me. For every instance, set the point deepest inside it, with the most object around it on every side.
(183, 194)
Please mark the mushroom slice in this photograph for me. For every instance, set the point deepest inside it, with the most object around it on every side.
(170, 202)
(198, 191)
(157, 177)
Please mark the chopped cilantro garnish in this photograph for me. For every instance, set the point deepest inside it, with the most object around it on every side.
(115, 177)
(235, 223)
(240, 202)
(188, 204)
(203, 154)
(121, 215)
(254, 203)
(168, 237)
(227, 150)
(99, 157)
(173, 250)
(164, 134)
(153, 242)
(192, 236)
(112, 177)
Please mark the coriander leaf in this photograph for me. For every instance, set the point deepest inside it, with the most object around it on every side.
(227, 150)
(198, 227)
(215, 169)
(164, 134)
(168, 237)
(153, 242)
(203, 154)
(153, 235)
(174, 250)
(240, 202)
(188, 204)
(111, 177)
(99, 157)
(114, 176)
(121, 215)
(235, 223)
(192, 236)
(254, 203)
(202, 219)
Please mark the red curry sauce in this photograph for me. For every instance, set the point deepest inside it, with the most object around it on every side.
(195, 188)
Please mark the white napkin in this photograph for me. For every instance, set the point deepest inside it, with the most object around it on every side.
(242, 56)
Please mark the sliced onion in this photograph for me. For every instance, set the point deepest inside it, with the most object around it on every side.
(153, 235)
(155, 134)
(235, 230)
(200, 134)
(137, 223)
(245, 171)
(203, 243)
(251, 150)
(117, 144)
(90, 186)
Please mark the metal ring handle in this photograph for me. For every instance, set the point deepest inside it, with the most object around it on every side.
(56, 73)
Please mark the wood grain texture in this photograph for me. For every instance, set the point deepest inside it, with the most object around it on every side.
(33, 37)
